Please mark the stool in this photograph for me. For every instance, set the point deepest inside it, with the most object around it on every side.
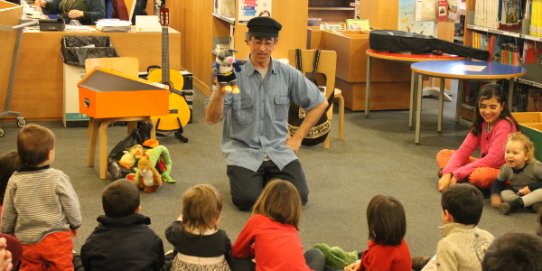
(97, 127)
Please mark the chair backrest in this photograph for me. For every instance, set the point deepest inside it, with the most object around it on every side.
(126, 65)
(327, 65)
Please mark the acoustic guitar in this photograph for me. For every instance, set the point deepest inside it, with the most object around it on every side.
(179, 112)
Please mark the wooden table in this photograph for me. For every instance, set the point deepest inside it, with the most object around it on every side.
(461, 70)
(400, 57)
(38, 88)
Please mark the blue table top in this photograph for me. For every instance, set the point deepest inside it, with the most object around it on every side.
(466, 69)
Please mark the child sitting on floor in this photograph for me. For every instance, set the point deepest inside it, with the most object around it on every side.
(520, 179)
(387, 249)
(123, 240)
(489, 131)
(41, 207)
(270, 236)
(463, 244)
(199, 244)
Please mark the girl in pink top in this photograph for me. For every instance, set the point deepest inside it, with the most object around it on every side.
(489, 132)
(269, 240)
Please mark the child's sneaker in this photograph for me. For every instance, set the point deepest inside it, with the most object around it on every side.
(418, 263)
(505, 208)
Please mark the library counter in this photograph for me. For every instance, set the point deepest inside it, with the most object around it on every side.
(38, 87)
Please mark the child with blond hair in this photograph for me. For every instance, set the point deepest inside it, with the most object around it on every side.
(199, 244)
(520, 179)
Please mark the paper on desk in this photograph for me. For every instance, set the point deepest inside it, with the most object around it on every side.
(473, 68)
(70, 27)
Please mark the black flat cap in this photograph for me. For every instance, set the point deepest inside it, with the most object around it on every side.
(264, 27)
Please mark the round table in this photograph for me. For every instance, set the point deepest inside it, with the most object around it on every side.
(461, 70)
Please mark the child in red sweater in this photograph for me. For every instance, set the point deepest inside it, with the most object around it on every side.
(387, 227)
(269, 240)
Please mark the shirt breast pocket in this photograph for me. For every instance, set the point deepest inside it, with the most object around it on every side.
(282, 104)
(242, 111)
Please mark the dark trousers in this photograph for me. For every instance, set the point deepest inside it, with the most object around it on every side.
(246, 185)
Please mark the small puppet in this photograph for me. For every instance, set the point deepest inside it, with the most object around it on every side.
(225, 67)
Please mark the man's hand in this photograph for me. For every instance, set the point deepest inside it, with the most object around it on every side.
(294, 143)
(74, 13)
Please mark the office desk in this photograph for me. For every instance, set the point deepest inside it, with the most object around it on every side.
(38, 87)
(408, 58)
(461, 70)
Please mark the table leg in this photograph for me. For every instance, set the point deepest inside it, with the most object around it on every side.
(440, 105)
(368, 86)
(102, 153)
(459, 100)
(510, 93)
(92, 134)
(412, 91)
(419, 93)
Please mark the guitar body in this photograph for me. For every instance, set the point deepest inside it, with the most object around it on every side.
(179, 109)
(179, 112)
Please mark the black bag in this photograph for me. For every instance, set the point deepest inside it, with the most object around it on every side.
(318, 133)
(401, 41)
(76, 49)
(51, 24)
(137, 136)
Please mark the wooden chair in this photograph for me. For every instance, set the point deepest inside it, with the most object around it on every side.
(327, 66)
(97, 127)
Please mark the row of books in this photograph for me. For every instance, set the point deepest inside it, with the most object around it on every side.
(498, 14)
(510, 14)
(533, 13)
(525, 98)
(508, 50)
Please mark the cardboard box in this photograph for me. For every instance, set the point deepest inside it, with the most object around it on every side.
(531, 126)
(384, 95)
(105, 93)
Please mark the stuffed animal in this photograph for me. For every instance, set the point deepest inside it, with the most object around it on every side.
(160, 158)
(148, 178)
(336, 257)
(224, 67)
(129, 157)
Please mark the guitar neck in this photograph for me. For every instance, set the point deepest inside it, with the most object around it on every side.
(165, 55)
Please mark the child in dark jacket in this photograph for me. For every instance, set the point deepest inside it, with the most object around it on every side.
(123, 240)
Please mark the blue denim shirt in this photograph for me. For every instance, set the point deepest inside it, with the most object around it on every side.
(256, 119)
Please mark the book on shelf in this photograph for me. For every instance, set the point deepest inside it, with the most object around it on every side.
(520, 98)
(442, 10)
(535, 28)
(357, 24)
(532, 52)
(534, 103)
(510, 14)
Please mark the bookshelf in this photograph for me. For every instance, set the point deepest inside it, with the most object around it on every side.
(508, 42)
(331, 10)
